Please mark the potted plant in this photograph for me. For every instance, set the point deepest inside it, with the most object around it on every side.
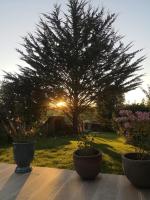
(87, 159)
(23, 142)
(136, 128)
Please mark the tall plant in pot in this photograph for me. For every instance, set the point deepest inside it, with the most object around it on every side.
(23, 142)
(87, 159)
(136, 128)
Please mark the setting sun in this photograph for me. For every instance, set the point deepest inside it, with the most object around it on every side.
(61, 104)
(58, 104)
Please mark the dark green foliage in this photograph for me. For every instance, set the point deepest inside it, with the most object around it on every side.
(147, 93)
(109, 102)
(20, 98)
(136, 107)
(75, 57)
(90, 114)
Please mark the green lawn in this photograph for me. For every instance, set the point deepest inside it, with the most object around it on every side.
(57, 152)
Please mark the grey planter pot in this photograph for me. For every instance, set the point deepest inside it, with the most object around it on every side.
(23, 156)
(137, 171)
(87, 167)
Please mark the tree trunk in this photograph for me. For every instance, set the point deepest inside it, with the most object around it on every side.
(75, 122)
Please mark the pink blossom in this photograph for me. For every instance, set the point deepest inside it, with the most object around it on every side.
(143, 116)
(138, 121)
(127, 125)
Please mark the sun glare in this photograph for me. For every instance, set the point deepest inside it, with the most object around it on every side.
(58, 104)
(61, 104)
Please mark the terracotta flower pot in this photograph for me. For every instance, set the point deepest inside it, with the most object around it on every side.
(89, 166)
(136, 170)
(23, 156)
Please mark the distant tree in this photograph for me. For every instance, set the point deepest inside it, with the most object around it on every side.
(90, 114)
(77, 55)
(108, 103)
(136, 107)
(147, 93)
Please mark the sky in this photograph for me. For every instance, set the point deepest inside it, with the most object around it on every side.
(17, 18)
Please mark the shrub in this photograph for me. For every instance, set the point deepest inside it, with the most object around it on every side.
(17, 129)
(135, 126)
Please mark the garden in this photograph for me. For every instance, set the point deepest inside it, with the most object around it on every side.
(77, 69)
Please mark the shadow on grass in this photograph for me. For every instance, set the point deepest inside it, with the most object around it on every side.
(111, 159)
(54, 142)
(108, 135)
(57, 152)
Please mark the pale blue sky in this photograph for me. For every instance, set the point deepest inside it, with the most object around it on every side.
(17, 17)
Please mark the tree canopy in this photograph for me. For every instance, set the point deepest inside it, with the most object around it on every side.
(75, 55)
